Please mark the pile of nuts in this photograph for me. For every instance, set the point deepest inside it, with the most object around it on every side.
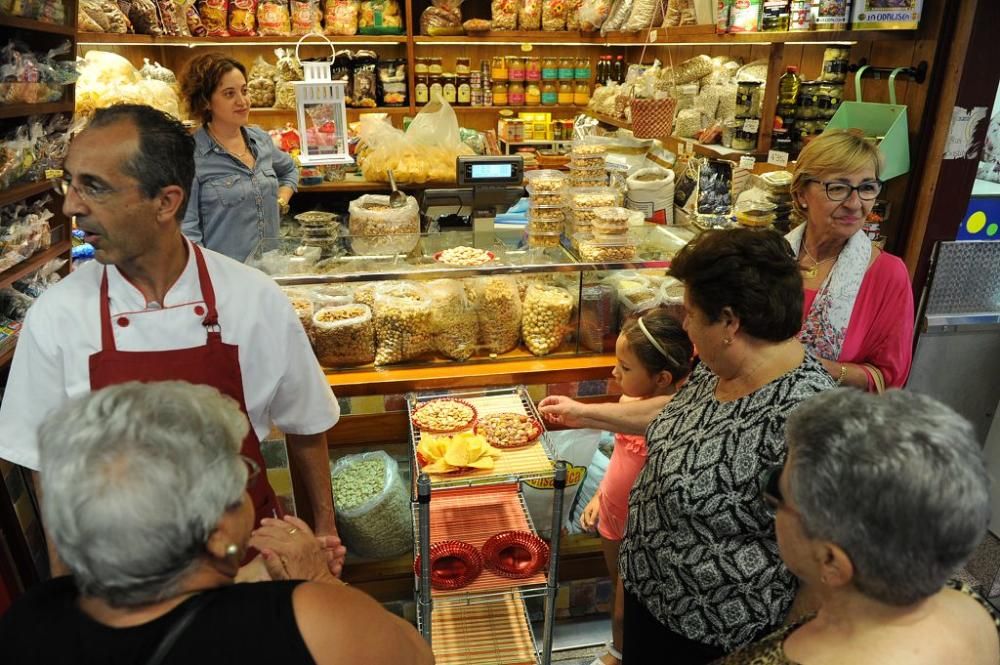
(444, 415)
(372, 505)
(601, 252)
(547, 313)
(508, 430)
(465, 256)
(588, 155)
(343, 335)
(402, 326)
(455, 320)
(499, 314)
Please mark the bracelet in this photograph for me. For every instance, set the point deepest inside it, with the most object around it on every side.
(843, 374)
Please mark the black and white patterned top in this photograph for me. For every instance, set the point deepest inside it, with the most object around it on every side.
(699, 549)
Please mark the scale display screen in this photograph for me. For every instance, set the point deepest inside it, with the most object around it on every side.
(501, 170)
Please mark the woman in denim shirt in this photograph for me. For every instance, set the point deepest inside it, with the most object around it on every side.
(242, 181)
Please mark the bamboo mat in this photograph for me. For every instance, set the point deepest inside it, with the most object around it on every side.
(495, 632)
(475, 515)
(517, 462)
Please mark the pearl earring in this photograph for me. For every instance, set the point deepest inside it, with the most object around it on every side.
(232, 550)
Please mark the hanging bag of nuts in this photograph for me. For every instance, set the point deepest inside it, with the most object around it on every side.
(548, 311)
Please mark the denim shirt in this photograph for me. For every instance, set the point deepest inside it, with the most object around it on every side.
(233, 207)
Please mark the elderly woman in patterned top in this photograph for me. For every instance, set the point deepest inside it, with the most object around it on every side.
(879, 501)
(699, 559)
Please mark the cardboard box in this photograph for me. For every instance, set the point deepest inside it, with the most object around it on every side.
(886, 14)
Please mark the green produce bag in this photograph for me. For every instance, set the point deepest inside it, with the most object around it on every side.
(886, 121)
(372, 505)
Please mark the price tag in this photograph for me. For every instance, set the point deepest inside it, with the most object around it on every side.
(53, 174)
(652, 35)
(747, 162)
(615, 163)
(751, 125)
(777, 157)
(689, 146)
(527, 48)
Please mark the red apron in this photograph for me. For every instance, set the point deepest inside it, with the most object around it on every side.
(215, 364)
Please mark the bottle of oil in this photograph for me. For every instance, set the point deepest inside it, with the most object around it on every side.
(788, 87)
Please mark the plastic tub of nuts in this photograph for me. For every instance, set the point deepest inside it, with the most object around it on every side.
(611, 219)
(377, 228)
(543, 238)
(546, 196)
(620, 248)
(757, 214)
(588, 155)
(546, 213)
(592, 197)
(546, 225)
(464, 256)
(545, 180)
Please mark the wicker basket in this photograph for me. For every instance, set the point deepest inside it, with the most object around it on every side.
(653, 118)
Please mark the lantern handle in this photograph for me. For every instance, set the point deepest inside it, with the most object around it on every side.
(857, 81)
(333, 49)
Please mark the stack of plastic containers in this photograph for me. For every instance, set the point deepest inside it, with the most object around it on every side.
(547, 207)
(610, 240)
(778, 184)
(583, 201)
(586, 165)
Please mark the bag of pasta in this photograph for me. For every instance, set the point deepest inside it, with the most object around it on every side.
(403, 328)
(380, 17)
(344, 335)
(287, 67)
(499, 311)
(546, 319)
(341, 17)
(554, 15)
(306, 17)
(214, 15)
(573, 15)
(193, 19)
(504, 14)
(529, 15)
(273, 18)
(454, 320)
(243, 18)
(174, 18)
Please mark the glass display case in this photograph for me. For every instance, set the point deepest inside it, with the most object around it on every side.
(452, 296)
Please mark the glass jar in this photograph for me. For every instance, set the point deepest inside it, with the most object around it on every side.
(836, 64)
(532, 94)
(435, 86)
(499, 94)
(556, 129)
(781, 139)
(420, 68)
(476, 95)
(832, 94)
(488, 94)
(422, 89)
(532, 69)
(515, 68)
(582, 70)
(808, 100)
(462, 66)
(565, 93)
(550, 96)
(567, 69)
(515, 94)
(581, 94)
(747, 99)
(744, 140)
(550, 69)
(449, 89)
(463, 93)
(498, 72)
(728, 129)
(434, 66)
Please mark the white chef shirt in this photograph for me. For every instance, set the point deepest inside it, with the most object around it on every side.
(282, 382)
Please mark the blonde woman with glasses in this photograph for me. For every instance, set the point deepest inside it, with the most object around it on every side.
(858, 309)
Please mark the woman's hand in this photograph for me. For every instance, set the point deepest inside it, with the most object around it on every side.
(591, 513)
(290, 550)
(561, 410)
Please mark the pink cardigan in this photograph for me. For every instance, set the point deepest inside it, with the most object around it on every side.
(881, 327)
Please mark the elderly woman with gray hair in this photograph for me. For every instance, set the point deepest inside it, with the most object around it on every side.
(146, 501)
(879, 502)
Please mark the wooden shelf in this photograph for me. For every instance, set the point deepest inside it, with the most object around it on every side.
(711, 150)
(36, 26)
(19, 110)
(390, 110)
(20, 192)
(87, 38)
(509, 369)
(34, 262)
(534, 108)
(354, 185)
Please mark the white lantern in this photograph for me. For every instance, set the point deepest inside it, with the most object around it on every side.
(322, 113)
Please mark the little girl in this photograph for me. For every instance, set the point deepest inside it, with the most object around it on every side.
(654, 357)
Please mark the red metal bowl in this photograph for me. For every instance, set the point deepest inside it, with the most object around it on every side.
(536, 432)
(471, 423)
(515, 554)
(454, 564)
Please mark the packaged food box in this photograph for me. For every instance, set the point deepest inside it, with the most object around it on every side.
(875, 15)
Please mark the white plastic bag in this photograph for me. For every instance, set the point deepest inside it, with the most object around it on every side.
(372, 505)
(651, 191)
(576, 447)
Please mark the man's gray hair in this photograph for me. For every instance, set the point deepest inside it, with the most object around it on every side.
(135, 478)
(898, 481)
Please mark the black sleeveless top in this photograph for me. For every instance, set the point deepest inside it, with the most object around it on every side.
(241, 624)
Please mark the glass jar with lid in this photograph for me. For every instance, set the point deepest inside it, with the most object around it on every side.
(565, 93)
(420, 67)
(744, 140)
(515, 93)
(830, 97)
(515, 68)
(462, 66)
(499, 93)
(532, 69)
(532, 94)
(581, 93)
(808, 100)
(582, 70)
(421, 90)
(748, 99)
(449, 88)
(550, 69)
(434, 66)
(435, 86)
(463, 91)
(498, 71)
(567, 69)
(550, 95)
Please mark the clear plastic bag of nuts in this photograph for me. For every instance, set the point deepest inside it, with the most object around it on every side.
(302, 303)
(499, 312)
(344, 335)
(402, 323)
(454, 319)
(548, 311)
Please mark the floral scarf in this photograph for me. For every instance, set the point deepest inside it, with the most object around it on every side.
(825, 325)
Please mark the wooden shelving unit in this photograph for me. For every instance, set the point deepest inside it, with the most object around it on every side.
(34, 262)
(87, 38)
(23, 110)
(24, 191)
(36, 26)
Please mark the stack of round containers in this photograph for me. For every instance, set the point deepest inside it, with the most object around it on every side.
(586, 165)
(547, 207)
(611, 240)
(583, 201)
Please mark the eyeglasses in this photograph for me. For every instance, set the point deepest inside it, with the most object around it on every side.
(770, 489)
(90, 191)
(253, 471)
(841, 191)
